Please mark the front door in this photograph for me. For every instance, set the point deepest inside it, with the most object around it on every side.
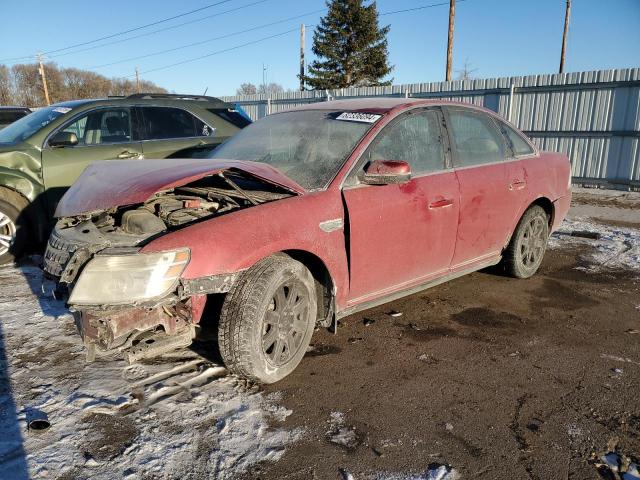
(103, 134)
(402, 235)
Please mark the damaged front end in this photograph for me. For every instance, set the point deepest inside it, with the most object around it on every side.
(137, 305)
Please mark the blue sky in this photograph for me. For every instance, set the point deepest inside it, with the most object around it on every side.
(496, 37)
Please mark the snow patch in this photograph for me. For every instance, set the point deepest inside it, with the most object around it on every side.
(433, 472)
(175, 417)
(616, 247)
(341, 434)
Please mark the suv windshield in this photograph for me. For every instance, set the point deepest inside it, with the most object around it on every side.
(25, 127)
(308, 146)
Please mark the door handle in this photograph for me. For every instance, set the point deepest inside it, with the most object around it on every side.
(517, 185)
(447, 202)
(128, 154)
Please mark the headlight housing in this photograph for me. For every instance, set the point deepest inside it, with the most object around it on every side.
(120, 279)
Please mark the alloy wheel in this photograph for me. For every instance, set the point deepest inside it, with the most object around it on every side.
(7, 233)
(285, 323)
(533, 242)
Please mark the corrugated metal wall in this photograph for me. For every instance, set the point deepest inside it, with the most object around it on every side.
(593, 117)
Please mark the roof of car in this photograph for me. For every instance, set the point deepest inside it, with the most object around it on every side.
(143, 98)
(10, 107)
(380, 105)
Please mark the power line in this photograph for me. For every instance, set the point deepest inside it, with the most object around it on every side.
(418, 8)
(164, 67)
(218, 52)
(160, 30)
(201, 42)
(106, 37)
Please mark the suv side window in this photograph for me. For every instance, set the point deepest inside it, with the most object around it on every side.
(102, 126)
(475, 139)
(518, 144)
(415, 138)
(168, 123)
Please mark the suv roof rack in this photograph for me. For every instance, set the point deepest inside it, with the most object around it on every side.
(178, 96)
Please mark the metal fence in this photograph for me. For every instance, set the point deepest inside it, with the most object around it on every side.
(593, 117)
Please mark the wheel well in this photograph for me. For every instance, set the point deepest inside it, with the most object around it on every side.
(324, 282)
(31, 212)
(547, 206)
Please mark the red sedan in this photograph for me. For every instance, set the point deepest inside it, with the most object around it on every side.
(304, 217)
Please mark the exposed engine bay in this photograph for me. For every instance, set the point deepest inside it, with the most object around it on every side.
(147, 328)
(133, 225)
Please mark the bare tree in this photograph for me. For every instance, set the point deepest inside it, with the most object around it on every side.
(6, 87)
(247, 89)
(22, 85)
(271, 88)
(466, 73)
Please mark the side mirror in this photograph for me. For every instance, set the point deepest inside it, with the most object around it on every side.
(63, 139)
(385, 172)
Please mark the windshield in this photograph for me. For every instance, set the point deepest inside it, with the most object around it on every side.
(25, 127)
(308, 146)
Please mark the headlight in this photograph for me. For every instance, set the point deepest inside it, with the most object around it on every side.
(117, 279)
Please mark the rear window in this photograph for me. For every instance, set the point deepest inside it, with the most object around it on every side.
(231, 116)
(10, 116)
(476, 140)
(170, 123)
(518, 144)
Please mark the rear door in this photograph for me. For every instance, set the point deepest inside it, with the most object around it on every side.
(519, 153)
(402, 235)
(486, 209)
(105, 133)
(174, 132)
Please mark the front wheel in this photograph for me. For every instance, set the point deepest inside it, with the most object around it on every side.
(267, 319)
(528, 244)
(13, 234)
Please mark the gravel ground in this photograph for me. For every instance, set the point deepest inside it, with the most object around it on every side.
(482, 377)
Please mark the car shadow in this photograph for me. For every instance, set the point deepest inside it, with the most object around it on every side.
(13, 460)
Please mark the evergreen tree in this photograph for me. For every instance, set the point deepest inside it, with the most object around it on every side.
(350, 46)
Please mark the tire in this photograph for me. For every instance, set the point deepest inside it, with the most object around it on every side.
(261, 336)
(528, 244)
(13, 225)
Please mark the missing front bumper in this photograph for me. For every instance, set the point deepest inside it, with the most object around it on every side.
(138, 332)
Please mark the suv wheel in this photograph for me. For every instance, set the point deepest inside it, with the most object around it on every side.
(267, 319)
(528, 244)
(13, 233)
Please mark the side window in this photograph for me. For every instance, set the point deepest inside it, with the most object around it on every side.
(415, 138)
(475, 139)
(518, 144)
(167, 123)
(102, 126)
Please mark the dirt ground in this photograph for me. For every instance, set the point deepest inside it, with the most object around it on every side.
(496, 377)
(500, 378)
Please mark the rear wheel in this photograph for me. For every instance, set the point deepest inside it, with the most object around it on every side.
(528, 244)
(267, 319)
(13, 228)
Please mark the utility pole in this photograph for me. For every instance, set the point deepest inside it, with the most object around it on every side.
(264, 78)
(452, 16)
(137, 80)
(302, 57)
(567, 14)
(44, 79)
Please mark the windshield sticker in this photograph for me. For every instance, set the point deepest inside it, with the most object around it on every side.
(62, 109)
(359, 117)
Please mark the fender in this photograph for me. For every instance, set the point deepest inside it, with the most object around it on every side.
(234, 242)
(20, 182)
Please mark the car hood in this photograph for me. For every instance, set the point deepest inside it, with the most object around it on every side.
(113, 183)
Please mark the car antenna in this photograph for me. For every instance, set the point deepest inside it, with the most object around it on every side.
(237, 188)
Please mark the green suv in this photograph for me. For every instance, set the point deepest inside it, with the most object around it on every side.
(42, 154)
